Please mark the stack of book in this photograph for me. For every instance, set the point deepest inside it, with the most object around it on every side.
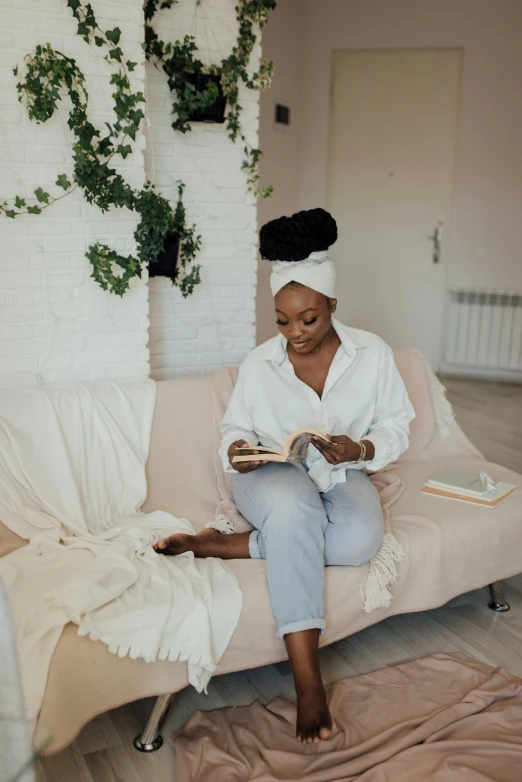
(477, 488)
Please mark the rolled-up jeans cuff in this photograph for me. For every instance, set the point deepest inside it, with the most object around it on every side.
(253, 545)
(304, 624)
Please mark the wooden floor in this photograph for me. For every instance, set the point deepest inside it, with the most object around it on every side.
(491, 414)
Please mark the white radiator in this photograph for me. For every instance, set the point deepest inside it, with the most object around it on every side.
(484, 334)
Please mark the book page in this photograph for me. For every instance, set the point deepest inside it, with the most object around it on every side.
(247, 449)
(298, 449)
(458, 480)
(296, 445)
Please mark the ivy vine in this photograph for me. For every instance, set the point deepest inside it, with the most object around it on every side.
(47, 71)
(178, 62)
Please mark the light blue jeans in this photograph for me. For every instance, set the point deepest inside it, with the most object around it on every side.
(299, 530)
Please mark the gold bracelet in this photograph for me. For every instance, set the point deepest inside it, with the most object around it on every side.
(362, 455)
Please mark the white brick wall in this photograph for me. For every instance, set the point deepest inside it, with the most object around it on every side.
(214, 326)
(56, 324)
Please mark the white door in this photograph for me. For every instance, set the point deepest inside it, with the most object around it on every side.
(393, 134)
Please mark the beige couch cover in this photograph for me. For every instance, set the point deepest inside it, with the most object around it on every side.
(451, 548)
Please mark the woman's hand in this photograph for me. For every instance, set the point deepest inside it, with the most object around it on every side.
(243, 467)
(341, 449)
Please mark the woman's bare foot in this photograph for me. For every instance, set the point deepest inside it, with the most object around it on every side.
(206, 543)
(176, 544)
(314, 722)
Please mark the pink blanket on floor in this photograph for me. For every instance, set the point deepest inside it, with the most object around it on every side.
(444, 718)
(381, 571)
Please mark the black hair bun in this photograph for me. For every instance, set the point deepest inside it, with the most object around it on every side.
(295, 238)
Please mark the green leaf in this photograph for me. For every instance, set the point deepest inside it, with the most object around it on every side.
(15, 71)
(98, 41)
(124, 150)
(62, 181)
(73, 4)
(19, 202)
(113, 35)
(130, 130)
(83, 30)
(105, 146)
(130, 65)
(136, 116)
(42, 196)
(116, 54)
(34, 210)
(10, 213)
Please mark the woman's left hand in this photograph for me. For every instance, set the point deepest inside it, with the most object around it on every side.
(338, 449)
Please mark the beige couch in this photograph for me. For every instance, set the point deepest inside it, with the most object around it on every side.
(451, 548)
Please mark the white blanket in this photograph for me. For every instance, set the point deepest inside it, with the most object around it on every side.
(72, 481)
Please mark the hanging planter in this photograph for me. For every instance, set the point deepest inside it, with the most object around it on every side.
(187, 74)
(215, 112)
(166, 264)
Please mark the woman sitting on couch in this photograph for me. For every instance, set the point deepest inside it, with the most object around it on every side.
(322, 375)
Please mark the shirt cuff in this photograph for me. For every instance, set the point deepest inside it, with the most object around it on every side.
(383, 450)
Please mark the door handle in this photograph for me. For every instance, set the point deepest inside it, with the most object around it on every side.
(436, 238)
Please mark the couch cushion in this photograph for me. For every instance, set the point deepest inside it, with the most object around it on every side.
(180, 468)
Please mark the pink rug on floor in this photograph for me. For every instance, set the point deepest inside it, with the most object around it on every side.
(444, 718)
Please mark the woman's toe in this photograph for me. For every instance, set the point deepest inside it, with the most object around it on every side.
(325, 732)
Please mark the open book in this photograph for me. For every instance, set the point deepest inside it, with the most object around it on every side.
(294, 450)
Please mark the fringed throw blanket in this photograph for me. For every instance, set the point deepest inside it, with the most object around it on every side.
(383, 568)
(72, 481)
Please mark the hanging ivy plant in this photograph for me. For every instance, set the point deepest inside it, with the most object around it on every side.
(158, 220)
(179, 63)
(47, 71)
(113, 272)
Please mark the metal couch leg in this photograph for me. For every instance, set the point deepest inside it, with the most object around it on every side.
(150, 740)
(497, 600)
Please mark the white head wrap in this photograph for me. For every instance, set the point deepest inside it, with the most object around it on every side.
(316, 272)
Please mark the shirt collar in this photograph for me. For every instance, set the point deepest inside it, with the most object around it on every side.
(351, 339)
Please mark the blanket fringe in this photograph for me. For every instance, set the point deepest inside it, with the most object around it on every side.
(382, 571)
(444, 413)
(222, 523)
(150, 653)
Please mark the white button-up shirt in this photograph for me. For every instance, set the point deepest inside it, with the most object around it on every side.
(363, 397)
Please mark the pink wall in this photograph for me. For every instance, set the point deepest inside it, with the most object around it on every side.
(484, 241)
